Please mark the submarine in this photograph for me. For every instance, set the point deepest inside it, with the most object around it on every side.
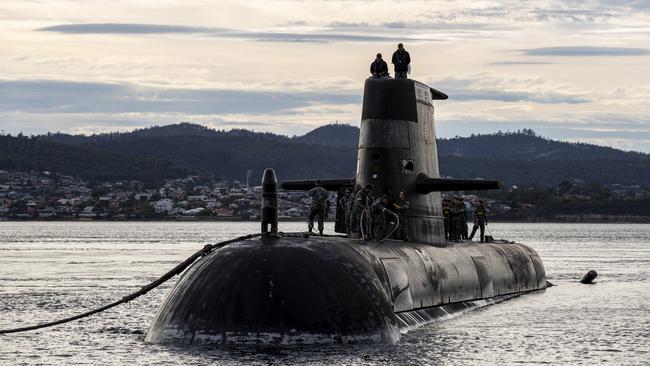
(298, 288)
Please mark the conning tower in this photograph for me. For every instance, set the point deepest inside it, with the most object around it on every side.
(398, 151)
(397, 142)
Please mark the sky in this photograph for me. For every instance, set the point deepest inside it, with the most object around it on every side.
(569, 70)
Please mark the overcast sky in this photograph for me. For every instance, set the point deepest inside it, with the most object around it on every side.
(570, 70)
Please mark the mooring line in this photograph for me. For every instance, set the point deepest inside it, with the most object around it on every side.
(164, 278)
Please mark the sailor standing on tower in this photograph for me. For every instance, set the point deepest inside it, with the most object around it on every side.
(319, 198)
(379, 68)
(401, 60)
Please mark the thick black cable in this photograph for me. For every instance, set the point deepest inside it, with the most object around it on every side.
(164, 278)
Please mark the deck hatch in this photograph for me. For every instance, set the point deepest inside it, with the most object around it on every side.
(399, 285)
(484, 277)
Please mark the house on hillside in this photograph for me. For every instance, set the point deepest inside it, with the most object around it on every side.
(164, 205)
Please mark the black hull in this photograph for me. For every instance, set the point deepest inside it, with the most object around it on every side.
(336, 290)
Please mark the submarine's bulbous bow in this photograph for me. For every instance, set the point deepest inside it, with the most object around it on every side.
(272, 291)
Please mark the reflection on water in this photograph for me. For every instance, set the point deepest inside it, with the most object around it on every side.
(53, 270)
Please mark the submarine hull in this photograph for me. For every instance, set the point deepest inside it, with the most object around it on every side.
(290, 289)
(293, 290)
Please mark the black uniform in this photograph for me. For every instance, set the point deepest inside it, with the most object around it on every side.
(401, 206)
(464, 229)
(379, 68)
(380, 219)
(361, 200)
(446, 213)
(401, 60)
(456, 221)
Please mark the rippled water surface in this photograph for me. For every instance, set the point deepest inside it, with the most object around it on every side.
(54, 270)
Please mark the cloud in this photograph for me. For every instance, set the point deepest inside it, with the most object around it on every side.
(574, 15)
(506, 63)
(518, 13)
(438, 25)
(504, 88)
(122, 28)
(633, 4)
(585, 51)
(514, 96)
(339, 24)
(300, 35)
(58, 96)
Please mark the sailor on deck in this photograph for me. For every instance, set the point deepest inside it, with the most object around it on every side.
(446, 213)
(480, 220)
(319, 203)
(401, 206)
(464, 229)
(456, 220)
(361, 203)
(381, 216)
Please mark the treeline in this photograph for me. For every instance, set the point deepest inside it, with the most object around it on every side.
(156, 153)
(568, 202)
(35, 154)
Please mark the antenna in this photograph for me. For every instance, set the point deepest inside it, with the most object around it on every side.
(249, 173)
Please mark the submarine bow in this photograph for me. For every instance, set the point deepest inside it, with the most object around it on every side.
(290, 291)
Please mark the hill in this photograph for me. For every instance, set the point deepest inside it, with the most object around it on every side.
(526, 145)
(521, 158)
(333, 135)
(26, 154)
(221, 154)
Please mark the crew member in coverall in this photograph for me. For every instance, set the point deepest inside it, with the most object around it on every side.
(361, 202)
(456, 220)
(319, 196)
(401, 206)
(446, 214)
(480, 220)
(350, 209)
(380, 220)
(464, 228)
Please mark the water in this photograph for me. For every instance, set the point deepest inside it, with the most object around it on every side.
(54, 270)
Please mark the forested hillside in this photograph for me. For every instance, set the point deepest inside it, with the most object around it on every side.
(26, 154)
(154, 153)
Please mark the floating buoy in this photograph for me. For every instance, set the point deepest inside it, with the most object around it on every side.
(589, 277)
